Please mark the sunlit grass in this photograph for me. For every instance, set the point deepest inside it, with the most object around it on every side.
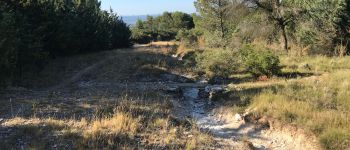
(132, 123)
(321, 106)
(317, 64)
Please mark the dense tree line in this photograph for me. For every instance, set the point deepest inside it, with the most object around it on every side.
(249, 35)
(164, 27)
(322, 26)
(31, 32)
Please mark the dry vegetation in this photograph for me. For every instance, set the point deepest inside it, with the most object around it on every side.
(318, 104)
(77, 116)
(257, 61)
(312, 94)
(127, 123)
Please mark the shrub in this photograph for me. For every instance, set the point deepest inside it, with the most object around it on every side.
(218, 62)
(189, 37)
(260, 62)
(140, 37)
(161, 28)
(189, 58)
(214, 40)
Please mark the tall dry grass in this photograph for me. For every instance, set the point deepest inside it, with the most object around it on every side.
(319, 105)
(132, 123)
(317, 64)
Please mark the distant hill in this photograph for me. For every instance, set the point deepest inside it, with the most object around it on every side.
(131, 20)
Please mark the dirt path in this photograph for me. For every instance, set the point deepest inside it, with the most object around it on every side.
(80, 73)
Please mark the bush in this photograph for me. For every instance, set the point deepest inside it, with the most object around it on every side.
(189, 37)
(140, 37)
(218, 62)
(161, 28)
(214, 40)
(223, 63)
(260, 62)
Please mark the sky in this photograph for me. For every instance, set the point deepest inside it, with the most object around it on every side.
(147, 7)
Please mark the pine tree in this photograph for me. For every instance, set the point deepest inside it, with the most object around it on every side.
(343, 26)
(31, 32)
(214, 15)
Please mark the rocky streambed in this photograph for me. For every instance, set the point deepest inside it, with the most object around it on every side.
(198, 102)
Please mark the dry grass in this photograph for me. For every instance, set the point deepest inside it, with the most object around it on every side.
(317, 64)
(321, 106)
(143, 121)
(163, 43)
(318, 104)
(120, 123)
(181, 49)
(132, 123)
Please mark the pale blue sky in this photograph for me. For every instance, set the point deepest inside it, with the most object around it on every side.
(147, 7)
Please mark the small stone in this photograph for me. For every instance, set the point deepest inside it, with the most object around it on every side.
(217, 89)
(203, 81)
(238, 117)
(173, 89)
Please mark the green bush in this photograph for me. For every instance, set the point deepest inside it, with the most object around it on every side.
(218, 62)
(214, 40)
(260, 62)
(161, 28)
(140, 37)
(224, 63)
(189, 37)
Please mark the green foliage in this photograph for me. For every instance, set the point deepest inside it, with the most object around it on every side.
(139, 34)
(342, 26)
(214, 40)
(7, 44)
(319, 25)
(164, 27)
(218, 62)
(224, 62)
(260, 61)
(189, 37)
(33, 31)
(215, 21)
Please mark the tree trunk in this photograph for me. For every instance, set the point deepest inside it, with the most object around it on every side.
(285, 38)
(222, 28)
(221, 15)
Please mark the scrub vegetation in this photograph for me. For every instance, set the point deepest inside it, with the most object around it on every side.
(237, 74)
